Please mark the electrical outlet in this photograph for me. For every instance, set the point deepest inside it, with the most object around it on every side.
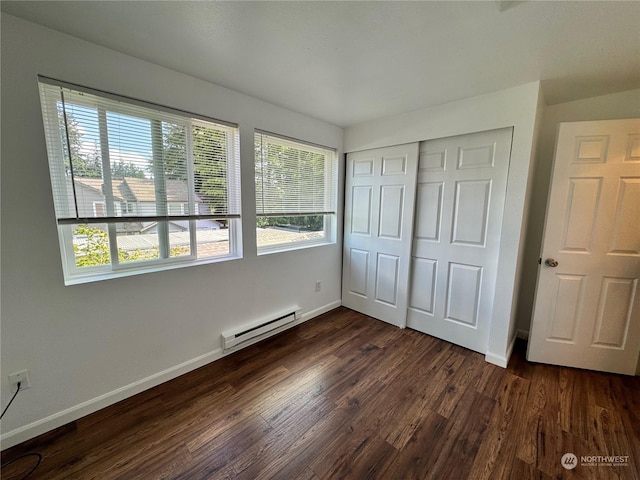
(21, 377)
(318, 286)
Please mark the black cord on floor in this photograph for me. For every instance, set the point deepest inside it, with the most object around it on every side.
(25, 456)
(10, 401)
(37, 455)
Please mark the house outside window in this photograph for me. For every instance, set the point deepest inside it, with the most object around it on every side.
(296, 193)
(138, 187)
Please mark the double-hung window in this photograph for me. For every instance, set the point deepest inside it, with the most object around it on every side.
(138, 187)
(296, 193)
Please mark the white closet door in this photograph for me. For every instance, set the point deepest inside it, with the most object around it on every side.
(460, 201)
(587, 309)
(379, 206)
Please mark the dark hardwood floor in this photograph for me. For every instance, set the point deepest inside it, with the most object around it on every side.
(346, 396)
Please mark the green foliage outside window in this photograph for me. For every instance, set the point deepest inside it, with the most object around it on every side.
(284, 173)
(87, 163)
(209, 161)
(94, 251)
(313, 223)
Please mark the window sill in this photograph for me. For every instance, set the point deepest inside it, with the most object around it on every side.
(288, 247)
(81, 278)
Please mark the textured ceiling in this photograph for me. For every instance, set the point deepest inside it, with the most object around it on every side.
(350, 62)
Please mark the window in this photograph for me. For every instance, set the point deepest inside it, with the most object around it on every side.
(138, 187)
(296, 193)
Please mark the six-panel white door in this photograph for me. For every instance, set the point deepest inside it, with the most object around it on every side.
(587, 308)
(459, 205)
(379, 205)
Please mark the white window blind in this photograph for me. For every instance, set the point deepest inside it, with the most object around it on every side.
(293, 178)
(138, 187)
(136, 153)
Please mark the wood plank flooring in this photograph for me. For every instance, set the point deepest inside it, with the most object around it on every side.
(344, 396)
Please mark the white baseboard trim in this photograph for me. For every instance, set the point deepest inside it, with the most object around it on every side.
(59, 419)
(319, 311)
(32, 430)
(501, 360)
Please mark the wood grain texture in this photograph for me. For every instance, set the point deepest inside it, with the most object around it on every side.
(345, 396)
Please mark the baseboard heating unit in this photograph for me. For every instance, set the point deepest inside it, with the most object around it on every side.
(258, 330)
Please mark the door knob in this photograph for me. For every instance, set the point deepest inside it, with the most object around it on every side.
(551, 262)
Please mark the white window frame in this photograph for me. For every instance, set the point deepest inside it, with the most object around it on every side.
(78, 275)
(101, 204)
(330, 220)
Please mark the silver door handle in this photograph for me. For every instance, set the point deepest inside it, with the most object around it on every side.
(551, 262)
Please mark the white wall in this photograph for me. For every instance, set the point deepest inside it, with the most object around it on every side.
(606, 107)
(515, 107)
(89, 345)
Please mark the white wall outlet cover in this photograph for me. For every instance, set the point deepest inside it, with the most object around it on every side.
(21, 377)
